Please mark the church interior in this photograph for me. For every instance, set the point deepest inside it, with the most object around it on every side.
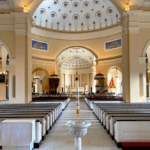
(74, 74)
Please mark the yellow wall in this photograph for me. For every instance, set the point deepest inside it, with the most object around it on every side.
(56, 46)
(2, 91)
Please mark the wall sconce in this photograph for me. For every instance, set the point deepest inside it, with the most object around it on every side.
(26, 8)
(127, 7)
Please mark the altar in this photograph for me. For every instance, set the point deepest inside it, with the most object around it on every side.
(80, 89)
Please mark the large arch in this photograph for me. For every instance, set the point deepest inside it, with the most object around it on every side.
(7, 48)
(40, 68)
(146, 61)
(117, 77)
(77, 46)
(145, 48)
(47, 76)
(113, 67)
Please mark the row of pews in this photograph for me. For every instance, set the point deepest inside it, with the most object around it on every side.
(128, 124)
(25, 126)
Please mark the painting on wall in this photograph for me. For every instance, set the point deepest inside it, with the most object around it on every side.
(113, 44)
(38, 45)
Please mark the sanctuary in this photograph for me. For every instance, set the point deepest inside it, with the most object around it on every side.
(60, 55)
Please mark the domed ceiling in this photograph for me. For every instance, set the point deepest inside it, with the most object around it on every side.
(76, 62)
(76, 15)
(76, 58)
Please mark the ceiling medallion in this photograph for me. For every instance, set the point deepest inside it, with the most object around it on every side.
(110, 11)
(55, 2)
(75, 5)
(64, 17)
(87, 17)
(76, 17)
(96, 2)
(98, 15)
(86, 4)
(65, 4)
(42, 11)
(53, 15)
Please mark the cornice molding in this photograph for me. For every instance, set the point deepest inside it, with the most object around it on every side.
(19, 14)
(134, 30)
(76, 36)
(20, 31)
(109, 60)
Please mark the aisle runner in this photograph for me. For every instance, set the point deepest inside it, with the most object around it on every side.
(60, 139)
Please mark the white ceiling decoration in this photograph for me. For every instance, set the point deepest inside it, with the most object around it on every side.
(76, 62)
(76, 58)
(77, 52)
(75, 15)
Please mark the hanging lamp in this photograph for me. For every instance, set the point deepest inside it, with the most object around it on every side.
(117, 76)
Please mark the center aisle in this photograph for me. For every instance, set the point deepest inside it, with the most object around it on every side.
(59, 137)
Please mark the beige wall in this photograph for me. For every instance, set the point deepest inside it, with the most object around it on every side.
(2, 91)
(95, 45)
(15, 37)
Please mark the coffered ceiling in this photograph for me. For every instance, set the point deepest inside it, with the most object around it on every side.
(75, 15)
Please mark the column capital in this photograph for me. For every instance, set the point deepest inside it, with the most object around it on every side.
(72, 74)
(80, 74)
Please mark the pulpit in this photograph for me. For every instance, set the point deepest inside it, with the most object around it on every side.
(53, 84)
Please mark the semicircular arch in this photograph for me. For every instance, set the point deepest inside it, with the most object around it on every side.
(88, 49)
(145, 48)
(41, 69)
(7, 48)
(113, 67)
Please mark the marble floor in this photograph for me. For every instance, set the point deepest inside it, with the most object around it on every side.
(60, 139)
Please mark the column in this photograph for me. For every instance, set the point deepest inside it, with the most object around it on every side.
(4, 58)
(37, 86)
(66, 83)
(60, 74)
(80, 80)
(0, 57)
(12, 84)
(88, 81)
(134, 67)
(143, 68)
(23, 57)
(72, 80)
(125, 58)
(93, 81)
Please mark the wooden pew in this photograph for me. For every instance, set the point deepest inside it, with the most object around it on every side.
(124, 118)
(132, 134)
(117, 114)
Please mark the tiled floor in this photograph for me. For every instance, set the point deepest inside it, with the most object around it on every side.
(60, 139)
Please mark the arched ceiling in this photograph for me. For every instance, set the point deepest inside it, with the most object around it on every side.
(75, 15)
(76, 62)
(76, 58)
